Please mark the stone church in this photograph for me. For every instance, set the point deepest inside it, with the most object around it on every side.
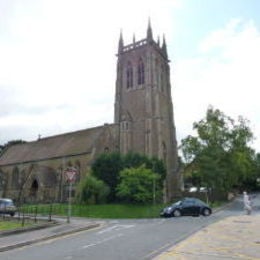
(143, 123)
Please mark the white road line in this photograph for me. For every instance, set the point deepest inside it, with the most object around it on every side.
(103, 241)
(90, 245)
(107, 229)
(114, 228)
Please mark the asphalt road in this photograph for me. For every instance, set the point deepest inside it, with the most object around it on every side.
(121, 239)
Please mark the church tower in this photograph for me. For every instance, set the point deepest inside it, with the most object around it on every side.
(143, 104)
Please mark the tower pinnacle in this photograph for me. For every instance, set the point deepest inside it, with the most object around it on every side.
(120, 43)
(149, 31)
(164, 47)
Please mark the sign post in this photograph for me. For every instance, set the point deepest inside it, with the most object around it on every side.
(70, 175)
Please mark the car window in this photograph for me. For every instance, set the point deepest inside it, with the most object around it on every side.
(199, 202)
(188, 203)
(6, 203)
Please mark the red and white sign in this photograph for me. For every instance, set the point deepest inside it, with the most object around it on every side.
(70, 174)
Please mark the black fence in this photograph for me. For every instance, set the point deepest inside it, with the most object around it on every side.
(31, 214)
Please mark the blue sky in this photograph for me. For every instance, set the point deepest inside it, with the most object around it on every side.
(58, 64)
(197, 18)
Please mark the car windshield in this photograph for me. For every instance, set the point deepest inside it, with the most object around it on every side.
(6, 203)
(177, 203)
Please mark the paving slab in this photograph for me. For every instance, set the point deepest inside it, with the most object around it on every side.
(236, 237)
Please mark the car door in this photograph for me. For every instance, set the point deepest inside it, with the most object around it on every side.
(187, 207)
(196, 207)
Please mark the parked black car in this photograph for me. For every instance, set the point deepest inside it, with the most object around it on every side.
(7, 207)
(187, 207)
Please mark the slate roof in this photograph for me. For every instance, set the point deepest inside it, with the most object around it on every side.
(69, 144)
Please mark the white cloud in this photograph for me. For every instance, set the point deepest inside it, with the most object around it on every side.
(225, 74)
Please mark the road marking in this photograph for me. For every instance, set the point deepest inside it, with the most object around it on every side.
(107, 229)
(114, 228)
(103, 241)
(90, 245)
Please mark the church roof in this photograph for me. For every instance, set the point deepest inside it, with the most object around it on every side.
(68, 144)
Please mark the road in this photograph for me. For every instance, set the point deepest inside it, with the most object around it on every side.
(121, 239)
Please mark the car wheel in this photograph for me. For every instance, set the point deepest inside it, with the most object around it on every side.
(206, 212)
(176, 213)
(12, 214)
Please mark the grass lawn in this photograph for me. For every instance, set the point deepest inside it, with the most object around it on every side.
(97, 211)
(118, 211)
(10, 224)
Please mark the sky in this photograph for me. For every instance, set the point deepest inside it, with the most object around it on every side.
(58, 62)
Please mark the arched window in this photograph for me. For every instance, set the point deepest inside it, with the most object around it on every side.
(34, 188)
(129, 75)
(140, 71)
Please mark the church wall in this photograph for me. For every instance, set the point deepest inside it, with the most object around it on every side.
(44, 180)
(46, 191)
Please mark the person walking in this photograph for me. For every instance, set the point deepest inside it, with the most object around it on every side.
(247, 203)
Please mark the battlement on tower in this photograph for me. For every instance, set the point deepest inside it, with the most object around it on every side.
(134, 45)
(142, 43)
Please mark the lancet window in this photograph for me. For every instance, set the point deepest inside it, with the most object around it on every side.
(129, 75)
(140, 71)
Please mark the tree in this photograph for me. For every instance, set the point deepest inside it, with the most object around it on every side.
(138, 185)
(106, 168)
(220, 153)
(135, 160)
(91, 190)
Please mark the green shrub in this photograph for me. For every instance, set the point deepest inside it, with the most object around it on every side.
(138, 185)
(92, 191)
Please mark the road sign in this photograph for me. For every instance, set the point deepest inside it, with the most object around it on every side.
(70, 174)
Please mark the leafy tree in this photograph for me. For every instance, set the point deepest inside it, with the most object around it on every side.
(91, 190)
(219, 154)
(138, 185)
(252, 182)
(106, 168)
(135, 160)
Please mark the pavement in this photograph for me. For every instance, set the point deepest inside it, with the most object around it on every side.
(44, 231)
(236, 237)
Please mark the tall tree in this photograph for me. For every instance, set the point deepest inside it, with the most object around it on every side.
(106, 168)
(220, 153)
